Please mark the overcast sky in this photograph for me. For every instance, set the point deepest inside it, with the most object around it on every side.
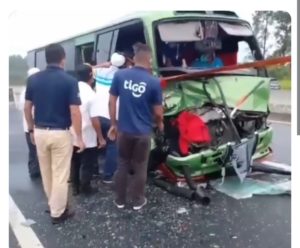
(29, 29)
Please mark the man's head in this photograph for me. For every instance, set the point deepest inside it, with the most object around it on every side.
(85, 74)
(142, 55)
(55, 54)
(32, 71)
(209, 56)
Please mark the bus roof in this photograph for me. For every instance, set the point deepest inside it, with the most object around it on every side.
(152, 16)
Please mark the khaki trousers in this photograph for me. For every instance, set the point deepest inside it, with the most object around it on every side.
(54, 149)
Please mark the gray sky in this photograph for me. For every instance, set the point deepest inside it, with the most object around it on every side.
(30, 29)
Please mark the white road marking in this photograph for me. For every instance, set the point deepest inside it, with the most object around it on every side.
(24, 234)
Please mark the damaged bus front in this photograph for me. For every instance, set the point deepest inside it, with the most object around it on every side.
(216, 121)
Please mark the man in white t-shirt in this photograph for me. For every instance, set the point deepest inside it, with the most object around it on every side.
(33, 163)
(82, 163)
(104, 74)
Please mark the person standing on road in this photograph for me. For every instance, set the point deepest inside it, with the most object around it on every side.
(104, 74)
(140, 97)
(55, 97)
(33, 163)
(82, 163)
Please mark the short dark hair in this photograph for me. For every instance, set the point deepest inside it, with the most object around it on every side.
(84, 72)
(140, 47)
(55, 53)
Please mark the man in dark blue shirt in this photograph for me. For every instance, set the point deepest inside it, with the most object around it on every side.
(140, 98)
(55, 97)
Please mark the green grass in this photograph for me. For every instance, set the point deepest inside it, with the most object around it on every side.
(285, 84)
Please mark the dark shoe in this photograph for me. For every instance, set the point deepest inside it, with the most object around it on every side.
(67, 214)
(139, 206)
(107, 180)
(118, 205)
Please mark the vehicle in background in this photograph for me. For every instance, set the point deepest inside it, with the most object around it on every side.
(274, 84)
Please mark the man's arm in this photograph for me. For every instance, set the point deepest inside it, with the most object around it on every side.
(102, 65)
(112, 105)
(28, 109)
(74, 102)
(94, 113)
(76, 120)
(159, 116)
(157, 106)
(97, 126)
(113, 97)
(28, 114)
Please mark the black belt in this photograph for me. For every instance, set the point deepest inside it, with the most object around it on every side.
(52, 128)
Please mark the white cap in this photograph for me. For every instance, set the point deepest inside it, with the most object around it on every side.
(117, 59)
(32, 71)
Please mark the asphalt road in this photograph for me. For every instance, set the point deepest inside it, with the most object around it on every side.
(262, 221)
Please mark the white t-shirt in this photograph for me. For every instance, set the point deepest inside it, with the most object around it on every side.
(103, 78)
(87, 97)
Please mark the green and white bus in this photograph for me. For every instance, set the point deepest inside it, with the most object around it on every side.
(190, 33)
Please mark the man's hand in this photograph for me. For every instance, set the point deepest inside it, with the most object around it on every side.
(112, 133)
(102, 143)
(161, 127)
(81, 145)
(32, 138)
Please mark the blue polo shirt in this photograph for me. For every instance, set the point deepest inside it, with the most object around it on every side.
(52, 91)
(138, 93)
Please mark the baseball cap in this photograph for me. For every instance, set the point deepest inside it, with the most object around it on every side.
(117, 59)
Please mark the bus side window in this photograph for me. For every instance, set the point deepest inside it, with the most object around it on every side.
(125, 37)
(40, 60)
(103, 47)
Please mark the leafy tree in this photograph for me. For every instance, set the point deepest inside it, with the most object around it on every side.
(17, 70)
(282, 34)
(262, 21)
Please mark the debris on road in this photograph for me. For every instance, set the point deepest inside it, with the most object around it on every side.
(28, 222)
(258, 184)
(182, 210)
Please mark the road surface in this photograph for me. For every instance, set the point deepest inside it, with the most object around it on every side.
(262, 221)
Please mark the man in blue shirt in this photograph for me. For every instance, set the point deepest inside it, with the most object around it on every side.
(55, 97)
(208, 60)
(140, 99)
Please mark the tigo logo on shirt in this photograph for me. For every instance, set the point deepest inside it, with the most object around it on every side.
(137, 89)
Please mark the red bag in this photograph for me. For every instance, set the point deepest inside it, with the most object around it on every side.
(191, 130)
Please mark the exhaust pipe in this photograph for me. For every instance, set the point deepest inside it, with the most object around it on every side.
(175, 190)
(199, 192)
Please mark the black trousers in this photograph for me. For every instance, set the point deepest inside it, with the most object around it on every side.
(82, 166)
(133, 151)
(33, 163)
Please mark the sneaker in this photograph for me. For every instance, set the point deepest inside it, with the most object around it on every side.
(67, 214)
(107, 181)
(138, 207)
(119, 206)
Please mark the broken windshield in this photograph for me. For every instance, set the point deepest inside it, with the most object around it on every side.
(204, 44)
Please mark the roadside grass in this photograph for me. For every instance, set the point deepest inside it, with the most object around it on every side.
(285, 84)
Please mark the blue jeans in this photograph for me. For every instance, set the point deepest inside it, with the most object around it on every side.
(111, 152)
